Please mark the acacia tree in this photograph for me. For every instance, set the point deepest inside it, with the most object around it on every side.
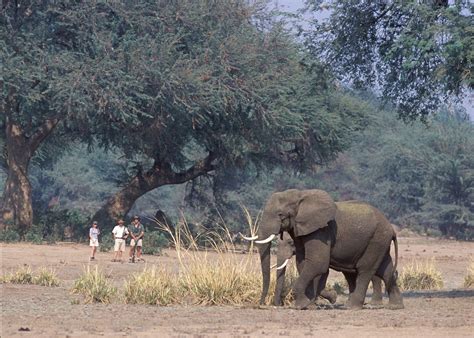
(228, 87)
(418, 53)
(53, 56)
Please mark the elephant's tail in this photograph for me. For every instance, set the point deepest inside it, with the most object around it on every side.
(395, 243)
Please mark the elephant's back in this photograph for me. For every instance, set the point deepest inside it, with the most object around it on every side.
(355, 225)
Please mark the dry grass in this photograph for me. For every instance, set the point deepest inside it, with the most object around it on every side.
(217, 275)
(46, 277)
(25, 275)
(469, 278)
(152, 287)
(94, 286)
(420, 276)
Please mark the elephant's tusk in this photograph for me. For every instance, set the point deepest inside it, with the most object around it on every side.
(253, 238)
(284, 264)
(273, 266)
(269, 239)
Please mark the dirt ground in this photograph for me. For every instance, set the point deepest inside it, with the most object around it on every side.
(51, 312)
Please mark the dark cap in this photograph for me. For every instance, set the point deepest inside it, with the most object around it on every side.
(121, 221)
(136, 217)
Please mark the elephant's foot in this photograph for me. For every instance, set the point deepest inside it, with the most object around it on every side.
(330, 296)
(376, 302)
(302, 303)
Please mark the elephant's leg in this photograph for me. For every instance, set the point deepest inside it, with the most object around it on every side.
(316, 264)
(311, 289)
(386, 271)
(368, 264)
(351, 282)
(377, 290)
(321, 290)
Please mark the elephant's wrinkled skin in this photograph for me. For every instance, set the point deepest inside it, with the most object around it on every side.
(351, 237)
(285, 251)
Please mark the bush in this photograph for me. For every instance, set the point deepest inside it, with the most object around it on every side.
(34, 238)
(339, 285)
(46, 277)
(106, 244)
(154, 242)
(151, 287)
(61, 224)
(24, 275)
(469, 278)
(9, 236)
(420, 276)
(94, 286)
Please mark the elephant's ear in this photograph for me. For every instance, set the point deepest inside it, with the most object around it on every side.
(315, 210)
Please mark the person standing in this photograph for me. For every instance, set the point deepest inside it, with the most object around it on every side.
(137, 231)
(120, 234)
(93, 239)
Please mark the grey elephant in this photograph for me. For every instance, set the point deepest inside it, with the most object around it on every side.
(285, 251)
(351, 237)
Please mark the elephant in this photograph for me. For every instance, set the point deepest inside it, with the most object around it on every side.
(285, 251)
(351, 237)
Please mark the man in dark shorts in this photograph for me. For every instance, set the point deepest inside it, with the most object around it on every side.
(137, 231)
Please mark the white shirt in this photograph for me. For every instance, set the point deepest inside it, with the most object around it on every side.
(119, 231)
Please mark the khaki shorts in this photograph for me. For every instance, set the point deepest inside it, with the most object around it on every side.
(94, 242)
(132, 242)
(119, 245)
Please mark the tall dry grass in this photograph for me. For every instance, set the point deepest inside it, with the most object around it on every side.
(469, 278)
(25, 275)
(94, 286)
(420, 276)
(218, 274)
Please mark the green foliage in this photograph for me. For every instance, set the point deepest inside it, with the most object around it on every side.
(106, 243)
(418, 52)
(33, 237)
(9, 235)
(63, 224)
(154, 242)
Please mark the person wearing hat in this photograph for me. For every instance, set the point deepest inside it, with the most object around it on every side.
(93, 239)
(137, 231)
(120, 234)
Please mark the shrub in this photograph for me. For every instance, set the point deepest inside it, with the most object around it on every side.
(151, 287)
(9, 236)
(34, 238)
(94, 286)
(46, 277)
(24, 275)
(154, 242)
(106, 244)
(339, 285)
(420, 276)
(469, 278)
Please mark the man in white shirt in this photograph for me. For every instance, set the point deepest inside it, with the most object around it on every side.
(120, 234)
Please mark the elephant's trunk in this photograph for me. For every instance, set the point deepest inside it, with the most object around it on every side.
(264, 251)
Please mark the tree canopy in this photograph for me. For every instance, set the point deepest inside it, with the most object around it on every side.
(420, 54)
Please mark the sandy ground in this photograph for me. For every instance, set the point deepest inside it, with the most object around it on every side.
(51, 312)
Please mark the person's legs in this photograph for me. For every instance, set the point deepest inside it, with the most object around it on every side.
(116, 250)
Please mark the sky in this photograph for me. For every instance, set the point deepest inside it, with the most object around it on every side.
(294, 5)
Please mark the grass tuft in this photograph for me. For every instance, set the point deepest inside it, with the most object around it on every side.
(420, 276)
(94, 286)
(469, 278)
(46, 277)
(151, 287)
(24, 275)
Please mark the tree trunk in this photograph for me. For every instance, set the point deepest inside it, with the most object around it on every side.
(17, 207)
(159, 175)
(17, 203)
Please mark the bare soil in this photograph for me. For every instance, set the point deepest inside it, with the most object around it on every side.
(35, 311)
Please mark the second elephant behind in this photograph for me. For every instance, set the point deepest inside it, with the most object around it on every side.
(285, 251)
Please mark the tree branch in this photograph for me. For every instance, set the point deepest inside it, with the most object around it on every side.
(42, 132)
